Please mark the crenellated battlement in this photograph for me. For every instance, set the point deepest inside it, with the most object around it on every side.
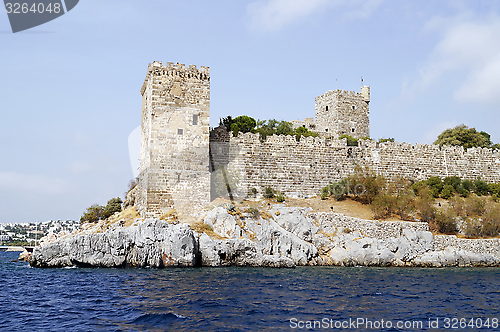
(177, 71)
(302, 168)
(341, 93)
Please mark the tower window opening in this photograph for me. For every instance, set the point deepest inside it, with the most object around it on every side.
(326, 130)
(353, 107)
(195, 119)
(327, 108)
(180, 131)
(352, 129)
(178, 178)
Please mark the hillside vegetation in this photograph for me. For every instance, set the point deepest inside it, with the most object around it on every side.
(469, 208)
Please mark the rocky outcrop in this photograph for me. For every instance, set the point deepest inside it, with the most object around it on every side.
(237, 252)
(24, 256)
(281, 237)
(153, 243)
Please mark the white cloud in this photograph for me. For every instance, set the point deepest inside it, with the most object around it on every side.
(79, 168)
(32, 184)
(272, 15)
(469, 49)
(483, 84)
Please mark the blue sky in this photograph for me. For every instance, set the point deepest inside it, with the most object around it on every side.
(69, 89)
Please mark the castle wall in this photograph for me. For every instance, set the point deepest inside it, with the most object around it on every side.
(303, 168)
(174, 169)
(343, 113)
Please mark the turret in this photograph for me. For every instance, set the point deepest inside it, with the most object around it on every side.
(174, 169)
(365, 92)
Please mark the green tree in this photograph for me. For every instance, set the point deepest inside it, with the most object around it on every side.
(435, 185)
(242, 123)
(226, 122)
(114, 205)
(94, 213)
(284, 128)
(304, 132)
(447, 191)
(97, 212)
(464, 136)
(481, 187)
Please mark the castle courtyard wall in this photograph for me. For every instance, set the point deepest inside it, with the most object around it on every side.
(303, 168)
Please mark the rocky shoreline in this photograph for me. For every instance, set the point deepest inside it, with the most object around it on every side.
(282, 237)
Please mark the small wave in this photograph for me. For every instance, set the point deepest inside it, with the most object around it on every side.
(70, 267)
(157, 319)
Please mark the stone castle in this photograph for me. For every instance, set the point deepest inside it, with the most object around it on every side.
(182, 160)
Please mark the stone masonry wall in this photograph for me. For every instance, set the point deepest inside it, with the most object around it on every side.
(303, 168)
(174, 169)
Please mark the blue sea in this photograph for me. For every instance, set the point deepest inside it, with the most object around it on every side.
(247, 299)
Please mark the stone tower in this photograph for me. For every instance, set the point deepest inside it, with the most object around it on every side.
(343, 113)
(174, 166)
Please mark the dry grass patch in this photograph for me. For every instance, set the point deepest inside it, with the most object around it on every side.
(170, 216)
(126, 218)
(201, 227)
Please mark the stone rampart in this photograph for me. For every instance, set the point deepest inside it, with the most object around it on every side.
(333, 222)
(478, 246)
(302, 168)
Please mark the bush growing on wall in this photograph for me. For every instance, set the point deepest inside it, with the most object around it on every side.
(479, 216)
(383, 206)
(435, 185)
(405, 198)
(491, 221)
(481, 188)
(269, 192)
(474, 206)
(447, 191)
(444, 222)
(425, 204)
(252, 193)
(337, 190)
(365, 184)
(352, 141)
(453, 181)
(385, 140)
(468, 187)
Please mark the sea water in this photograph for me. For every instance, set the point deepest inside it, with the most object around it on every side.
(247, 299)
